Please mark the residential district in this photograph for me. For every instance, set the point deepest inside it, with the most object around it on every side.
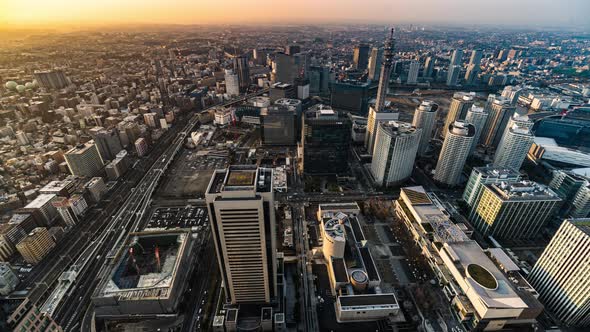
(311, 178)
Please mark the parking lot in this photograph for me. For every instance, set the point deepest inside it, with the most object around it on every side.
(178, 217)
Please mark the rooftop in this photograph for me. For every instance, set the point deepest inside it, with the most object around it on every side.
(367, 300)
(40, 201)
(81, 148)
(495, 172)
(522, 190)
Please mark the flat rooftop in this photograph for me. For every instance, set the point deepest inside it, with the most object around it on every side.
(339, 267)
(523, 190)
(40, 201)
(490, 171)
(240, 178)
(367, 300)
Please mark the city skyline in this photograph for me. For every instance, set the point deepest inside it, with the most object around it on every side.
(60, 13)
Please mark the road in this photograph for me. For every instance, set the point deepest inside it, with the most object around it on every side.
(106, 241)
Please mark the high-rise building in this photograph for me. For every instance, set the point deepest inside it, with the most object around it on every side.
(141, 146)
(499, 112)
(108, 143)
(279, 125)
(8, 279)
(457, 57)
(52, 79)
(516, 210)
(386, 66)
(240, 201)
(282, 90)
(319, 78)
(375, 63)
(361, 57)
(84, 160)
(428, 67)
(413, 72)
(454, 152)
(460, 104)
(292, 49)
(513, 147)
(325, 141)
(242, 69)
(425, 119)
(485, 175)
(36, 245)
(475, 59)
(574, 190)
(352, 95)
(453, 75)
(560, 276)
(373, 121)
(396, 145)
(289, 67)
(521, 121)
(512, 92)
(471, 74)
(477, 117)
(232, 83)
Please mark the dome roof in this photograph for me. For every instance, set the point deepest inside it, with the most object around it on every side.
(11, 85)
(29, 85)
(20, 88)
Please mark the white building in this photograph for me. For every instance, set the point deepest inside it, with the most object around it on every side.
(561, 274)
(460, 104)
(372, 123)
(485, 175)
(425, 119)
(232, 83)
(396, 145)
(42, 206)
(413, 72)
(454, 152)
(224, 116)
(513, 147)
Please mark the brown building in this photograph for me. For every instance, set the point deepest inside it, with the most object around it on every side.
(36, 245)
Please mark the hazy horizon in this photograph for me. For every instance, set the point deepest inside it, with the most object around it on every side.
(71, 13)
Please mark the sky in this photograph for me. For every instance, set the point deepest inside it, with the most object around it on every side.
(54, 13)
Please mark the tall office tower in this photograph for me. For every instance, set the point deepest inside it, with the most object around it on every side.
(575, 192)
(84, 160)
(454, 152)
(373, 121)
(375, 63)
(361, 56)
(475, 59)
(108, 143)
(52, 79)
(279, 125)
(499, 112)
(325, 141)
(513, 147)
(425, 119)
(515, 210)
(242, 68)
(456, 58)
(560, 276)
(240, 201)
(386, 67)
(396, 145)
(413, 72)
(485, 175)
(428, 67)
(512, 92)
(290, 67)
(477, 117)
(460, 104)
(232, 83)
(292, 49)
(319, 77)
(471, 74)
(260, 55)
(453, 75)
(502, 55)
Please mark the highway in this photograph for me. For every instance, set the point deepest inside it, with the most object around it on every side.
(101, 246)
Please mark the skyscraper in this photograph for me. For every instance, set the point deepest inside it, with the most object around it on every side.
(396, 145)
(485, 175)
(425, 119)
(560, 276)
(240, 202)
(574, 189)
(516, 210)
(52, 79)
(428, 67)
(499, 112)
(457, 57)
(232, 83)
(471, 74)
(375, 63)
(373, 121)
(242, 69)
(475, 59)
(460, 104)
(522, 121)
(454, 152)
(361, 56)
(413, 72)
(289, 67)
(477, 117)
(84, 160)
(453, 75)
(386, 67)
(513, 147)
(292, 49)
(108, 143)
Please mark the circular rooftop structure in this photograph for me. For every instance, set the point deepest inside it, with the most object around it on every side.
(11, 85)
(482, 276)
(359, 279)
